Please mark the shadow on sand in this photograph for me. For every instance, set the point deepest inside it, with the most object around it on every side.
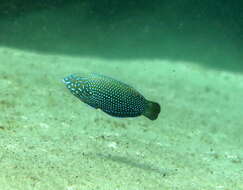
(137, 164)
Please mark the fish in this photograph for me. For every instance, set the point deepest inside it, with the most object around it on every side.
(112, 96)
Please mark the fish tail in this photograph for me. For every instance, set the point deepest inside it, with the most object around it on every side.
(152, 110)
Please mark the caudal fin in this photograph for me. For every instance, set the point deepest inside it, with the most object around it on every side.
(152, 110)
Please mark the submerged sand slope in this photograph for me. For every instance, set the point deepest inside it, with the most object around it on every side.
(50, 140)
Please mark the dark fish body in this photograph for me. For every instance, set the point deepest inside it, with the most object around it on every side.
(111, 96)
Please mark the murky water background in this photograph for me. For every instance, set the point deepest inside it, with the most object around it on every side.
(185, 55)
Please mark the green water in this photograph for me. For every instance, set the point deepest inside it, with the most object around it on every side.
(186, 55)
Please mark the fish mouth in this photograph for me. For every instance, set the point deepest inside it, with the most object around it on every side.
(65, 81)
(68, 80)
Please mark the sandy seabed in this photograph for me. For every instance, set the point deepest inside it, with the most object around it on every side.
(51, 140)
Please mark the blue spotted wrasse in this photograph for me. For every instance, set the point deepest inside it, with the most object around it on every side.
(111, 96)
